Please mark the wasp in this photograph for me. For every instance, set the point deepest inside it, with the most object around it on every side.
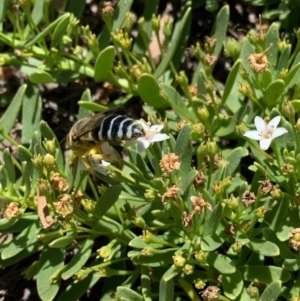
(88, 135)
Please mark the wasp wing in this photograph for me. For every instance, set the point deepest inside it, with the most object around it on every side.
(92, 124)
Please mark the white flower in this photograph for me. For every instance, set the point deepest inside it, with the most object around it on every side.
(152, 135)
(265, 133)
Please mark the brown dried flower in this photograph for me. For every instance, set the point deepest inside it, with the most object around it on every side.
(59, 183)
(294, 236)
(193, 89)
(169, 163)
(266, 186)
(210, 59)
(199, 203)
(170, 193)
(64, 205)
(12, 210)
(200, 179)
(258, 62)
(187, 218)
(106, 7)
(181, 124)
(211, 293)
(248, 198)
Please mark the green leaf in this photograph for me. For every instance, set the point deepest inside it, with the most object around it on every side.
(291, 264)
(234, 159)
(157, 260)
(262, 247)
(174, 45)
(150, 91)
(44, 33)
(188, 180)
(140, 46)
(9, 165)
(76, 8)
(75, 290)
(127, 294)
(272, 40)
(233, 285)
(166, 290)
(51, 261)
(3, 8)
(104, 63)
(183, 149)
(31, 113)
(266, 78)
(171, 273)
(273, 92)
(264, 274)
(10, 115)
(231, 95)
(61, 242)
(176, 102)
(60, 30)
(37, 13)
(214, 220)
(283, 60)
(296, 105)
(91, 106)
(20, 242)
(79, 259)
(41, 77)
(293, 77)
(220, 29)
(107, 200)
(139, 162)
(221, 262)
(211, 242)
(271, 292)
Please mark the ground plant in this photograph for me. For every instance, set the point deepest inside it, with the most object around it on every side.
(195, 196)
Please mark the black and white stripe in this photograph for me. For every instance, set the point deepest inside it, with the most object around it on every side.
(118, 127)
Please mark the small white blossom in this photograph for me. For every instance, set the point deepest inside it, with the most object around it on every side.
(152, 134)
(265, 133)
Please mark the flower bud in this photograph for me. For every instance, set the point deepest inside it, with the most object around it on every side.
(203, 114)
(49, 161)
(232, 202)
(283, 74)
(150, 194)
(43, 187)
(106, 11)
(218, 188)
(212, 148)
(104, 252)
(178, 260)
(88, 205)
(148, 237)
(237, 247)
(253, 292)
(148, 251)
(232, 48)
(260, 212)
(37, 162)
(156, 23)
(244, 89)
(200, 257)
(188, 269)
(129, 21)
(140, 222)
(276, 193)
(50, 146)
(168, 27)
(288, 110)
(200, 284)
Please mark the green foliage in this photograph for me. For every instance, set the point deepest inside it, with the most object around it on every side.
(207, 210)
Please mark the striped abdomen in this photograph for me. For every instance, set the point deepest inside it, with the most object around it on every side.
(117, 127)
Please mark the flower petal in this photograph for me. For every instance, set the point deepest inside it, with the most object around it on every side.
(274, 122)
(260, 124)
(159, 137)
(142, 145)
(278, 132)
(104, 163)
(156, 128)
(265, 143)
(253, 135)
